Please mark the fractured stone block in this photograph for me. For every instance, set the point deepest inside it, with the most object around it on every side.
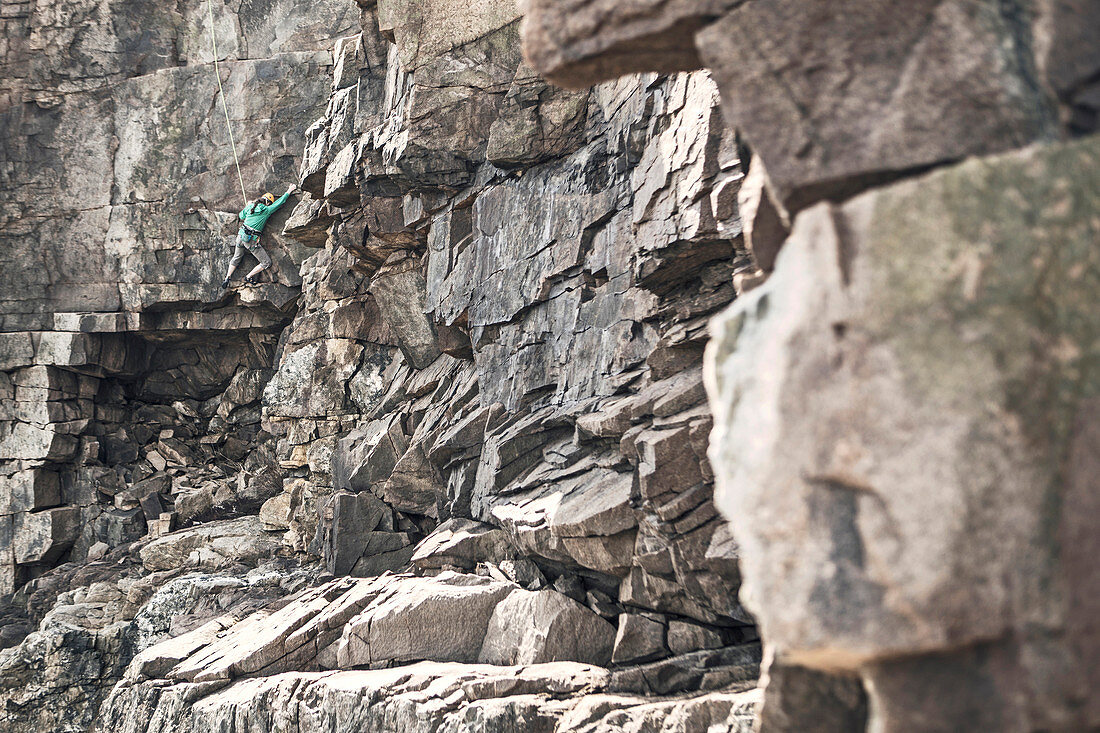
(400, 292)
(28, 490)
(30, 442)
(16, 350)
(907, 440)
(91, 322)
(583, 42)
(837, 101)
(42, 537)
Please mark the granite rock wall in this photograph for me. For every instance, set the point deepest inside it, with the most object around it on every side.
(445, 468)
(586, 312)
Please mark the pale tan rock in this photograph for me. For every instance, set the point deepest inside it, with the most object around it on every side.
(213, 545)
(529, 627)
(404, 623)
(462, 543)
(275, 512)
(862, 521)
(638, 638)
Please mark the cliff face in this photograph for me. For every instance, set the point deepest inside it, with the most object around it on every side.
(905, 412)
(446, 468)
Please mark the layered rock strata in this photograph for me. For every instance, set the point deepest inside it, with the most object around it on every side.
(446, 469)
(904, 409)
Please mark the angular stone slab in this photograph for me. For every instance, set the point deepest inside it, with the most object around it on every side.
(31, 442)
(529, 627)
(582, 42)
(400, 292)
(212, 545)
(29, 490)
(639, 639)
(259, 642)
(443, 618)
(462, 543)
(837, 101)
(159, 659)
(91, 322)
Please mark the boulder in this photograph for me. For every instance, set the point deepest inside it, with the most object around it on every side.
(530, 627)
(159, 659)
(639, 639)
(685, 637)
(728, 668)
(462, 543)
(41, 537)
(351, 532)
(275, 512)
(191, 504)
(443, 618)
(934, 84)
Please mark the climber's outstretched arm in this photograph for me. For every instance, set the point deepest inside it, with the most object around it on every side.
(282, 199)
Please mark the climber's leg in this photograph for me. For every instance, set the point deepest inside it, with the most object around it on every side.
(261, 254)
(238, 255)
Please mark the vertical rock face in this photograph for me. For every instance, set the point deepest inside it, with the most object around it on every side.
(446, 466)
(118, 204)
(957, 354)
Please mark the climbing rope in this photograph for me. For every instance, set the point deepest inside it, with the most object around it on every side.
(225, 109)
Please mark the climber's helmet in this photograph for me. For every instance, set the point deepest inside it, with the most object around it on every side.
(268, 199)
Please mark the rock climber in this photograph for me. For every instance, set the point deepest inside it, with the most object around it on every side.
(254, 216)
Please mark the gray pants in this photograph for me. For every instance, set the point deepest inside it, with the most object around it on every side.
(252, 245)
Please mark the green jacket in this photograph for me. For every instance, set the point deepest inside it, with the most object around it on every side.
(255, 215)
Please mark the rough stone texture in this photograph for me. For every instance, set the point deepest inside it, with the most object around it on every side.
(116, 224)
(530, 627)
(442, 619)
(211, 546)
(580, 42)
(871, 92)
(1069, 58)
(453, 407)
(93, 89)
(639, 639)
(800, 699)
(766, 223)
(913, 390)
(423, 698)
(959, 308)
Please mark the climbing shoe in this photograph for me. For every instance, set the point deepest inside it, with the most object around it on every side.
(252, 280)
(225, 283)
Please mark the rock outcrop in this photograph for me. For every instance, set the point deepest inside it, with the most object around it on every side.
(977, 380)
(454, 446)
